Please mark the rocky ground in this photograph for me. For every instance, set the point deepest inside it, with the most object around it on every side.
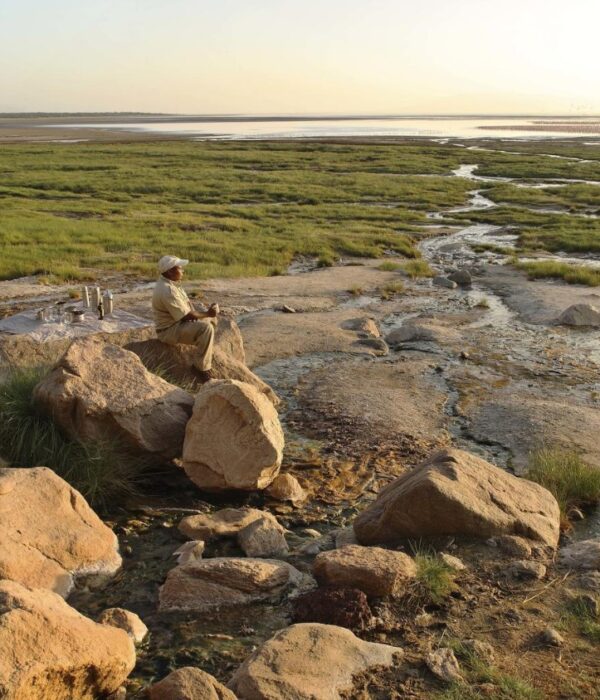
(370, 388)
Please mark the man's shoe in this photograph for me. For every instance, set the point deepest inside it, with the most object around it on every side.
(205, 375)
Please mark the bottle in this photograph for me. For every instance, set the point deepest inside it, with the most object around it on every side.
(85, 296)
(100, 309)
(108, 302)
(95, 297)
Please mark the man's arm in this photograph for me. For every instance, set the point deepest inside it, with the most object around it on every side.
(194, 315)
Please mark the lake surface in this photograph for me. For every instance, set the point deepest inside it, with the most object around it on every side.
(284, 128)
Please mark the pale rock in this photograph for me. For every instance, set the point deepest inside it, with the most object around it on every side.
(462, 278)
(234, 439)
(482, 650)
(263, 538)
(226, 522)
(421, 331)
(452, 562)
(364, 324)
(581, 555)
(225, 582)
(99, 391)
(551, 637)
(49, 535)
(527, 570)
(443, 663)
(190, 552)
(580, 315)
(456, 493)
(125, 620)
(309, 661)
(377, 345)
(375, 571)
(189, 683)
(52, 652)
(286, 487)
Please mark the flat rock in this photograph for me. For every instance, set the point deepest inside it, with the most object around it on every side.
(286, 487)
(377, 345)
(263, 538)
(375, 571)
(308, 661)
(189, 683)
(364, 324)
(527, 570)
(226, 522)
(580, 315)
(440, 281)
(225, 582)
(234, 439)
(457, 493)
(581, 556)
(422, 331)
(52, 652)
(514, 546)
(99, 391)
(125, 620)
(49, 534)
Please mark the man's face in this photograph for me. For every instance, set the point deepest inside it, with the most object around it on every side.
(175, 273)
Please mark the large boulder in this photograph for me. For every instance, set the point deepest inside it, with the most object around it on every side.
(52, 652)
(189, 683)
(224, 582)
(457, 493)
(234, 439)
(308, 661)
(580, 315)
(375, 571)
(99, 392)
(181, 361)
(49, 535)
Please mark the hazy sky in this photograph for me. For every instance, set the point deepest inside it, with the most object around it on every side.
(301, 56)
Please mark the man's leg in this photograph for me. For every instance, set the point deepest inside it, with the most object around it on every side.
(198, 333)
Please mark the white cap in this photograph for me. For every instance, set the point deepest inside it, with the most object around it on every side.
(169, 261)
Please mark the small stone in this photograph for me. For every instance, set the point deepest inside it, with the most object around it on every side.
(309, 532)
(344, 607)
(514, 546)
(189, 683)
(461, 277)
(190, 552)
(440, 281)
(263, 538)
(125, 620)
(444, 664)
(288, 309)
(482, 650)
(452, 562)
(527, 570)
(551, 637)
(378, 345)
(286, 487)
(464, 355)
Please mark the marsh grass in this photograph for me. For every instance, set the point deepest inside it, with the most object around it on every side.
(103, 472)
(573, 482)
(572, 274)
(389, 266)
(391, 289)
(477, 671)
(579, 617)
(417, 268)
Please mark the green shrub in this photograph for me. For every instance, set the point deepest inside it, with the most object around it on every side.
(434, 580)
(563, 472)
(103, 472)
(572, 274)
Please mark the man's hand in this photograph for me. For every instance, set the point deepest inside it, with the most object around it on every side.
(213, 311)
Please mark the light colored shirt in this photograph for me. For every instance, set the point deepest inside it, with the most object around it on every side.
(170, 303)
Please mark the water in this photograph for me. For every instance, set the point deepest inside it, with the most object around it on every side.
(246, 127)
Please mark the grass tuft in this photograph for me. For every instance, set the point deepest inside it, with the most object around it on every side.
(579, 616)
(564, 473)
(435, 579)
(417, 268)
(389, 266)
(103, 472)
(389, 290)
(552, 269)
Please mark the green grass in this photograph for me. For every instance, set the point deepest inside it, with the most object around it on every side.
(564, 473)
(391, 289)
(578, 616)
(417, 268)
(478, 670)
(389, 266)
(103, 473)
(434, 580)
(552, 269)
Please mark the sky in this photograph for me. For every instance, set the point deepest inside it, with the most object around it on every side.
(301, 56)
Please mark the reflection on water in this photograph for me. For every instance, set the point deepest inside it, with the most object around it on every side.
(440, 128)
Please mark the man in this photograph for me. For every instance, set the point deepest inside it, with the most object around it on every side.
(177, 322)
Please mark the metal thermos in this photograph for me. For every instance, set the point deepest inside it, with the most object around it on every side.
(108, 302)
(95, 297)
(85, 296)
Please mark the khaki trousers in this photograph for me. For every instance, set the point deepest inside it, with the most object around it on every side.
(198, 333)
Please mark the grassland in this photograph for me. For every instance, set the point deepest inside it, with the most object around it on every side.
(245, 208)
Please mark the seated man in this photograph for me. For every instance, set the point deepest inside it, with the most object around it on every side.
(177, 322)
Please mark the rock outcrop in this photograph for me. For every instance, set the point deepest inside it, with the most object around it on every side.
(234, 439)
(580, 315)
(308, 662)
(189, 683)
(227, 582)
(49, 535)
(457, 493)
(375, 571)
(99, 392)
(52, 652)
